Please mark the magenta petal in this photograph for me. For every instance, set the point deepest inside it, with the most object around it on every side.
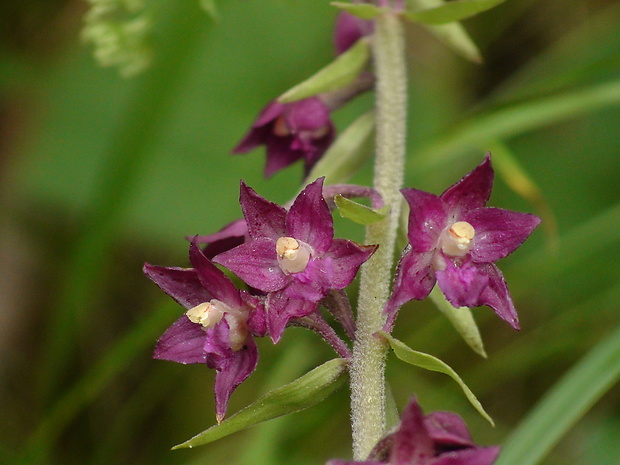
(309, 219)
(232, 372)
(472, 191)
(349, 29)
(281, 309)
(280, 154)
(261, 128)
(447, 430)
(308, 114)
(212, 278)
(412, 443)
(415, 279)
(498, 232)
(256, 263)
(427, 219)
(264, 218)
(182, 342)
(182, 284)
(472, 456)
(496, 295)
(463, 286)
(345, 258)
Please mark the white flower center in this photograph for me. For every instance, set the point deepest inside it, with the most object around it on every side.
(208, 314)
(456, 240)
(293, 256)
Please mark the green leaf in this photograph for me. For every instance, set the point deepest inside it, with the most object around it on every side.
(348, 153)
(361, 10)
(513, 120)
(451, 12)
(428, 362)
(568, 400)
(304, 392)
(453, 35)
(340, 72)
(359, 213)
(462, 320)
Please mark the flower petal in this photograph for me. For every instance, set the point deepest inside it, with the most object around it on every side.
(264, 218)
(462, 285)
(212, 278)
(232, 372)
(496, 295)
(412, 443)
(414, 279)
(309, 219)
(229, 236)
(182, 284)
(472, 191)
(256, 263)
(183, 342)
(448, 430)
(342, 261)
(280, 154)
(260, 128)
(306, 115)
(427, 219)
(498, 232)
(280, 309)
(472, 456)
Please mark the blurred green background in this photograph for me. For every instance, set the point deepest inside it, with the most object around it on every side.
(100, 174)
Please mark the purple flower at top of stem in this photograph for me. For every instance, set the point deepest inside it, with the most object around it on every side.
(292, 255)
(454, 240)
(440, 438)
(294, 131)
(218, 328)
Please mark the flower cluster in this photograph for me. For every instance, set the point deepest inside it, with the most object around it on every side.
(290, 256)
(291, 264)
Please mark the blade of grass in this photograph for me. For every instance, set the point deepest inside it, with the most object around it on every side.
(513, 120)
(568, 401)
(127, 156)
(90, 385)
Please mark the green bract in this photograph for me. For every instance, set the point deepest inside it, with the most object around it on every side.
(304, 392)
(450, 12)
(340, 72)
(359, 213)
(428, 362)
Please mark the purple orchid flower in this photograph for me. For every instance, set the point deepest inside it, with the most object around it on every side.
(454, 240)
(292, 255)
(218, 328)
(291, 131)
(440, 438)
(349, 29)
